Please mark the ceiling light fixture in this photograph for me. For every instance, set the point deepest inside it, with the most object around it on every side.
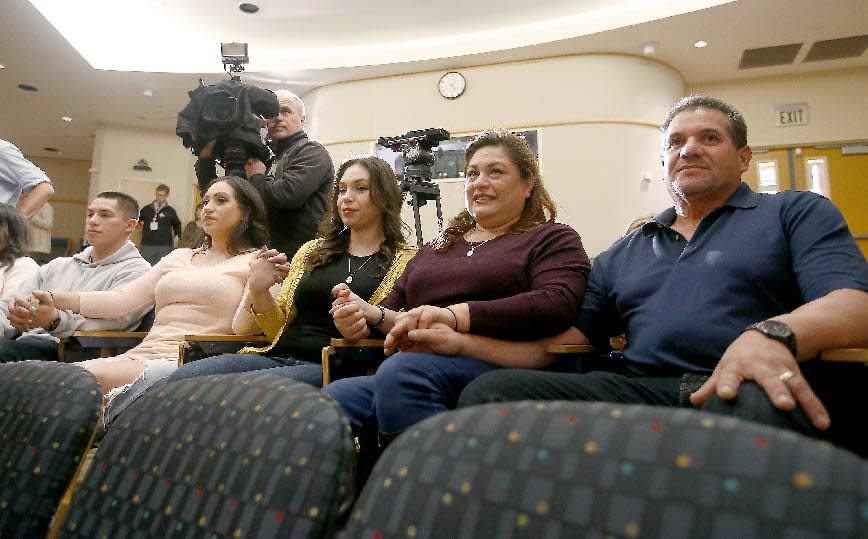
(649, 48)
(2, 66)
(700, 44)
(28, 87)
(148, 92)
(248, 8)
(66, 119)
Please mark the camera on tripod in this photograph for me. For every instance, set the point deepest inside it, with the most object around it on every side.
(416, 151)
(230, 112)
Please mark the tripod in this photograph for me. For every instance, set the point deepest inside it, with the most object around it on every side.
(421, 191)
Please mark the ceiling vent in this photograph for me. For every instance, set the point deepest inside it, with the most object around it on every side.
(835, 49)
(769, 56)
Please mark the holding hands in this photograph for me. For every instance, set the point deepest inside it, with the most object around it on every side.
(429, 325)
(423, 329)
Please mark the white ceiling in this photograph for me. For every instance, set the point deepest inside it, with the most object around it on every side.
(329, 41)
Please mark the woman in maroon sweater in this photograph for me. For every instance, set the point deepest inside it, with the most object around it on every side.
(502, 269)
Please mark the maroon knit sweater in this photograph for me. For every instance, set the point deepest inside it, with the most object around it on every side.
(518, 286)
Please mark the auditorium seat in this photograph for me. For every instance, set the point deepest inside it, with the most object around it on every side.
(249, 455)
(567, 469)
(49, 413)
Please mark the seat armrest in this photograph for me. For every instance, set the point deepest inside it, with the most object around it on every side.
(361, 343)
(571, 349)
(196, 347)
(225, 338)
(852, 355)
(107, 342)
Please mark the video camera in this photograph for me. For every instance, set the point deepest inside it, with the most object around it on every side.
(415, 147)
(231, 112)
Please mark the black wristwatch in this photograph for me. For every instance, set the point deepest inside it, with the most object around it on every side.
(778, 331)
(53, 325)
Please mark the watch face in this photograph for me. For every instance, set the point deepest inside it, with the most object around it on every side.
(776, 329)
(452, 85)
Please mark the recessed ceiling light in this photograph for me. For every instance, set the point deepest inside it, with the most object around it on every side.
(148, 92)
(700, 44)
(248, 8)
(28, 87)
(2, 66)
(66, 119)
(50, 149)
(649, 48)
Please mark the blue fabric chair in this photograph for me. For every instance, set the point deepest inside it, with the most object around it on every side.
(243, 455)
(565, 469)
(49, 413)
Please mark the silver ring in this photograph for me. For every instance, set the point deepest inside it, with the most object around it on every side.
(34, 310)
(786, 376)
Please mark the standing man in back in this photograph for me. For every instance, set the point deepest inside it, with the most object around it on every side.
(296, 185)
(161, 227)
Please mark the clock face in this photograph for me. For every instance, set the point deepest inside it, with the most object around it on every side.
(452, 85)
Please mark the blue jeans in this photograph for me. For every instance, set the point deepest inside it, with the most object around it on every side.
(25, 348)
(407, 388)
(303, 371)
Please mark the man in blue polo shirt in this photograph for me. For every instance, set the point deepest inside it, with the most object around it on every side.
(727, 293)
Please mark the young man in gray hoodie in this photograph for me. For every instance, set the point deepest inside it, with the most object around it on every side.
(111, 261)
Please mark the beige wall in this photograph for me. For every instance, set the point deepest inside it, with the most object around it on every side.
(837, 106)
(597, 116)
(117, 149)
(70, 179)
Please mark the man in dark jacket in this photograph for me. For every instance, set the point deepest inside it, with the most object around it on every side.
(296, 185)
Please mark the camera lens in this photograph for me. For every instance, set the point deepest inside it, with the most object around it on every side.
(219, 108)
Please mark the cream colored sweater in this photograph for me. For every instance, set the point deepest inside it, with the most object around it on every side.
(189, 300)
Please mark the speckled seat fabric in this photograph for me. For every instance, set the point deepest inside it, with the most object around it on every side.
(49, 412)
(242, 455)
(565, 469)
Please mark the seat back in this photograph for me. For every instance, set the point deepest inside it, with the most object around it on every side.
(564, 469)
(49, 413)
(246, 455)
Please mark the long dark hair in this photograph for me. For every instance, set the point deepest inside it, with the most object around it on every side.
(386, 196)
(15, 232)
(252, 231)
(539, 207)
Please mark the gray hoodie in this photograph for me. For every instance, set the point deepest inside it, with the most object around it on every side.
(79, 274)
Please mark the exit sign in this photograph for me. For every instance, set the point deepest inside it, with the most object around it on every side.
(793, 114)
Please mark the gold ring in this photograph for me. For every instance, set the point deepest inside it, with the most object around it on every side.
(786, 376)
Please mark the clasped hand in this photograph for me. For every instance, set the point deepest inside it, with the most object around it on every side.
(35, 310)
(425, 328)
(753, 356)
(348, 311)
(267, 268)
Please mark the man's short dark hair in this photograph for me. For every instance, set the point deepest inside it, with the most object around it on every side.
(127, 204)
(736, 126)
(163, 187)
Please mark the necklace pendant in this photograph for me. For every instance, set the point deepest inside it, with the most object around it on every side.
(349, 279)
(470, 252)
